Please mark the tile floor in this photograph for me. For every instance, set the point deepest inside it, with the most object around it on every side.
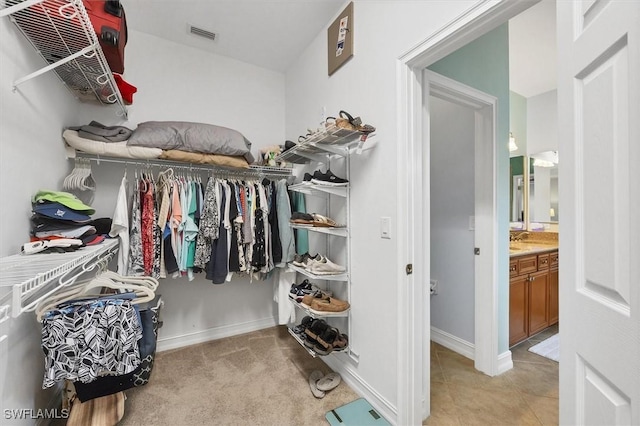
(525, 395)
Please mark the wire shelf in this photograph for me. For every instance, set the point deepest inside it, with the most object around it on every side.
(29, 275)
(333, 140)
(62, 33)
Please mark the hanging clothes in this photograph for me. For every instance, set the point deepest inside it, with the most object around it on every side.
(287, 239)
(120, 226)
(209, 224)
(136, 263)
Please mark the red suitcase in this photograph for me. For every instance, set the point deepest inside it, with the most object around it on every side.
(109, 22)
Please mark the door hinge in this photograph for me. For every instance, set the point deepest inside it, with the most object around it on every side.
(409, 268)
(476, 251)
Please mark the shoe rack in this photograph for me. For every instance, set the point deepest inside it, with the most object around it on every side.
(62, 33)
(319, 149)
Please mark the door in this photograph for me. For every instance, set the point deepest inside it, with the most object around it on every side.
(599, 134)
(538, 301)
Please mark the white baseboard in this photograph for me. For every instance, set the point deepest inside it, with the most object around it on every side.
(174, 342)
(505, 363)
(340, 364)
(454, 343)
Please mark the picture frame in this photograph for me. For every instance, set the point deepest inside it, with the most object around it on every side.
(340, 40)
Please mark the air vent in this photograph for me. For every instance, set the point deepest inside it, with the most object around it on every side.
(202, 33)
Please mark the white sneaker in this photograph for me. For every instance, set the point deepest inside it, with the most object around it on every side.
(326, 267)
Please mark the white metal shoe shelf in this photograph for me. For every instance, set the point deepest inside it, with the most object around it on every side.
(322, 148)
(62, 33)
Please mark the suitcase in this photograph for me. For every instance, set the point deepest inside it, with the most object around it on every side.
(110, 24)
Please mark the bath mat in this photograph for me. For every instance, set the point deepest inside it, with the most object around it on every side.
(355, 413)
(549, 348)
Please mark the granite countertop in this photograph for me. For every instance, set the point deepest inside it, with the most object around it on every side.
(519, 248)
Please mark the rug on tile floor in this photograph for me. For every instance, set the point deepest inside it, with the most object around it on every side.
(355, 413)
(549, 348)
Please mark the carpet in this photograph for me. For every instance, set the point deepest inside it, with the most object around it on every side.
(549, 348)
(356, 413)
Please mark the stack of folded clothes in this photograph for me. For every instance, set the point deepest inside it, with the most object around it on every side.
(62, 216)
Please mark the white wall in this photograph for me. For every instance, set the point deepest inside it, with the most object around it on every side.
(31, 157)
(542, 122)
(452, 202)
(174, 83)
(181, 83)
(366, 86)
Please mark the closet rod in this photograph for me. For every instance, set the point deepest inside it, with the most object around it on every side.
(251, 171)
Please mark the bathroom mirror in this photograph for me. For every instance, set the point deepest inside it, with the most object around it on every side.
(543, 188)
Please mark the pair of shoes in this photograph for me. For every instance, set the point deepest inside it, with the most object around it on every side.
(308, 299)
(324, 266)
(301, 259)
(305, 287)
(347, 122)
(306, 179)
(328, 305)
(328, 179)
(320, 383)
(324, 222)
(301, 218)
(300, 328)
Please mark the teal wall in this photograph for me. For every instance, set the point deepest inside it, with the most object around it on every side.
(484, 64)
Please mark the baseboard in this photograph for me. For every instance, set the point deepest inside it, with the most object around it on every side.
(505, 363)
(454, 343)
(215, 333)
(340, 364)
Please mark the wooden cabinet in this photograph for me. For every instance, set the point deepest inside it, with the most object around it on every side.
(533, 294)
(553, 288)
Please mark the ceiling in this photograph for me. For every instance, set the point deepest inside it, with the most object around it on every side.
(272, 33)
(532, 50)
(266, 33)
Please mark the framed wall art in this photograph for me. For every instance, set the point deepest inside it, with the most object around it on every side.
(340, 39)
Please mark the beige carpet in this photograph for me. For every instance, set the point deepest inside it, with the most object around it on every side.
(258, 378)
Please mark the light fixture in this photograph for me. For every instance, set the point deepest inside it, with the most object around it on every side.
(538, 162)
(512, 143)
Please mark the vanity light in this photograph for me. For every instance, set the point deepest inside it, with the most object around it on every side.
(542, 163)
(512, 143)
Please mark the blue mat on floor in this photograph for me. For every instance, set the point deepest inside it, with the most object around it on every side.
(356, 413)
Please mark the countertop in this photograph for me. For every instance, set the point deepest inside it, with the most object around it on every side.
(520, 248)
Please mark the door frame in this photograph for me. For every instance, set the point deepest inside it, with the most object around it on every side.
(413, 402)
(484, 106)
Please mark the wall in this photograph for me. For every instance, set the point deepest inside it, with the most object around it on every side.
(542, 122)
(452, 202)
(366, 86)
(181, 83)
(174, 83)
(518, 122)
(31, 157)
(484, 65)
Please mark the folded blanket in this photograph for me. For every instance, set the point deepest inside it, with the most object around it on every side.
(198, 158)
(111, 149)
(99, 132)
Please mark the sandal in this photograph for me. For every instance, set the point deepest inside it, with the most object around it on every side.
(324, 222)
(316, 328)
(341, 343)
(346, 121)
(325, 341)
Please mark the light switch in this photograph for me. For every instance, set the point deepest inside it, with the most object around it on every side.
(385, 228)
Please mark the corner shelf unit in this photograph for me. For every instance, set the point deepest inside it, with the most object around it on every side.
(62, 33)
(320, 146)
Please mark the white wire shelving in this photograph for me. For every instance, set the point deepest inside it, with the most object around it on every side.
(332, 141)
(62, 33)
(33, 277)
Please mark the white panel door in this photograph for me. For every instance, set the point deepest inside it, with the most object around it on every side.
(599, 151)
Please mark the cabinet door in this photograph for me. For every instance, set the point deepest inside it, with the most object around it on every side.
(538, 302)
(553, 296)
(518, 309)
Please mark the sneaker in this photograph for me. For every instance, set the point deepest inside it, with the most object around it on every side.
(326, 267)
(301, 259)
(313, 260)
(328, 179)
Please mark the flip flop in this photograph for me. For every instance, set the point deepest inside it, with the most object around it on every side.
(329, 382)
(313, 379)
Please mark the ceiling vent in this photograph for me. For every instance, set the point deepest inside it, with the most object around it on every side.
(202, 33)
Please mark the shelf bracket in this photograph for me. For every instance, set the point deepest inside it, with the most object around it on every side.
(48, 68)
